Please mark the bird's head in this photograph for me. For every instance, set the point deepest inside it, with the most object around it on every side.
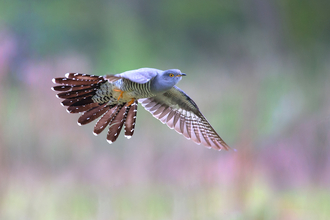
(165, 80)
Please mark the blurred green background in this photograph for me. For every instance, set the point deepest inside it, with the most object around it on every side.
(259, 70)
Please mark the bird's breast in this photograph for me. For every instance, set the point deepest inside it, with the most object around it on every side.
(130, 90)
(122, 95)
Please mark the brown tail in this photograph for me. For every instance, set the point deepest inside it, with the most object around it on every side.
(77, 91)
(130, 120)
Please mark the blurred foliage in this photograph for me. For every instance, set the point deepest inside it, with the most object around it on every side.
(259, 71)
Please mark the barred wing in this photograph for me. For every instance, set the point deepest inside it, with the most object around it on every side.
(180, 112)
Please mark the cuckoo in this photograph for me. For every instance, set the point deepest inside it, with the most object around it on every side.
(114, 100)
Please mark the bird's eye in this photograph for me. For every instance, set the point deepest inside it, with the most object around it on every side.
(171, 74)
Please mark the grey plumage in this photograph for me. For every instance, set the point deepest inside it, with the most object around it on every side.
(141, 75)
(114, 99)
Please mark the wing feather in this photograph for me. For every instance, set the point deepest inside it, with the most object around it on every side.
(142, 75)
(182, 122)
(155, 107)
(159, 110)
(151, 105)
(170, 123)
(170, 115)
(165, 112)
(180, 112)
(175, 120)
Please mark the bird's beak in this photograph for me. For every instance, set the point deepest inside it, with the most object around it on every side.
(183, 74)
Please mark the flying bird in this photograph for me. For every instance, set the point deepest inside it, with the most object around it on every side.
(114, 100)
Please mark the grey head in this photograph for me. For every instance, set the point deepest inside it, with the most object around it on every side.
(165, 80)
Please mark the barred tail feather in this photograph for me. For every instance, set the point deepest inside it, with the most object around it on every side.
(77, 90)
(62, 88)
(78, 101)
(81, 108)
(73, 87)
(116, 125)
(76, 93)
(68, 82)
(107, 118)
(92, 114)
(83, 76)
(130, 120)
(74, 79)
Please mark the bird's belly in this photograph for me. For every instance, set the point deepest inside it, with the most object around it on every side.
(123, 96)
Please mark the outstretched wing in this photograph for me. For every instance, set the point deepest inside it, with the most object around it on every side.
(180, 112)
(142, 75)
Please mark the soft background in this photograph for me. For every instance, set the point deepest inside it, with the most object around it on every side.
(259, 70)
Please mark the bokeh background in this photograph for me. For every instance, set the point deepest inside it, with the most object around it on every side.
(259, 70)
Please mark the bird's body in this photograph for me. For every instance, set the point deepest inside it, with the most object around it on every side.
(114, 99)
